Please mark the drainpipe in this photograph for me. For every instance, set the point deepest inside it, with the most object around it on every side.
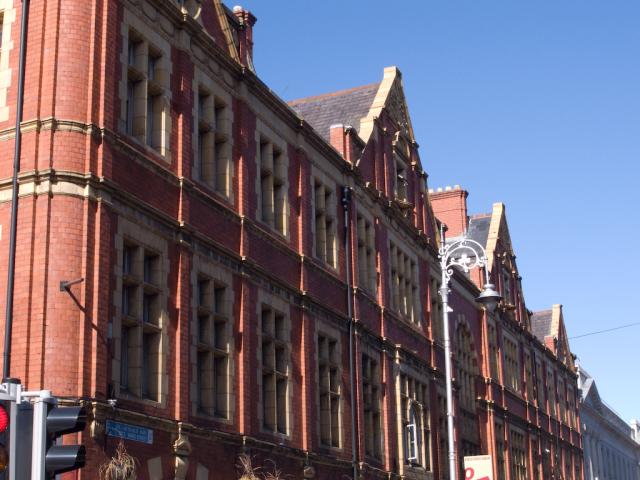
(346, 203)
(6, 356)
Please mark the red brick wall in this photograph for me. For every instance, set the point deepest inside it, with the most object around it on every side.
(61, 340)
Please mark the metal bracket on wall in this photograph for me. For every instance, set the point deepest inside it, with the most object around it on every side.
(66, 284)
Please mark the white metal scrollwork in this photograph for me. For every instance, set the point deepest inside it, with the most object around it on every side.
(465, 253)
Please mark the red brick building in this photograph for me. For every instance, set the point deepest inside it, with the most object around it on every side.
(257, 277)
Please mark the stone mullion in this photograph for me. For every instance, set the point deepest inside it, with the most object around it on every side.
(182, 341)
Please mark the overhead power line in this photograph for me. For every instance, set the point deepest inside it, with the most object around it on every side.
(605, 331)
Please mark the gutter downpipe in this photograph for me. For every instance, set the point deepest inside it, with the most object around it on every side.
(346, 203)
(6, 356)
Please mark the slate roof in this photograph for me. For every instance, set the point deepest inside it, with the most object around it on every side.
(479, 228)
(591, 396)
(345, 107)
(541, 324)
(587, 382)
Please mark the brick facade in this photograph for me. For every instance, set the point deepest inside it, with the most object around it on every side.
(113, 192)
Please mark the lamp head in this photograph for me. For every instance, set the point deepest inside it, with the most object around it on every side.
(489, 297)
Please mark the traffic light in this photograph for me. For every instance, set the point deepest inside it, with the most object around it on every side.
(16, 419)
(61, 421)
(5, 420)
(50, 455)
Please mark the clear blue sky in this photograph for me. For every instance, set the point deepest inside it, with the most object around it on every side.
(532, 103)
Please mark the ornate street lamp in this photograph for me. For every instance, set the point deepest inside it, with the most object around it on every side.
(465, 254)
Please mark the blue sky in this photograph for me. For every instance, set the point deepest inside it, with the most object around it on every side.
(532, 103)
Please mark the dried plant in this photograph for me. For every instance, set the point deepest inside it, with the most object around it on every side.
(275, 475)
(122, 466)
(247, 470)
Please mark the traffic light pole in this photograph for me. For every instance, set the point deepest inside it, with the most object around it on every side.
(50, 422)
(39, 444)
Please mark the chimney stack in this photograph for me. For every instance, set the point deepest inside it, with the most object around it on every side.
(450, 207)
(245, 36)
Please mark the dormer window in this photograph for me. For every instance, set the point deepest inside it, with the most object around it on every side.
(507, 293)
(401, 182)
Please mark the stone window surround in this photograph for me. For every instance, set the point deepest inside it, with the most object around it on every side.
(528, 374)
(512, 373)
(323, 329)
(467, 366)
(561, 400)
(435, 310)
(202, 79)
(414, 295)
(402, 369)
(127, 230)
(519, 453)
(376, 356)
(507, 290)
(203, 266)
(494, 349)
(500, 444)
(264, 132)
(371, 286)
(283, 307)
(551, 390)
(8, 18)
(571, 406)
(402, 168)
(443, 434)
(540, 384)
(131, 21)
(330, 211)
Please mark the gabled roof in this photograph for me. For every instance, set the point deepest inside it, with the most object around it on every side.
(548, 327)
(346, 107)
(359, 107)
(479, 228)
(591, 397)
(541, 324)
(588, 388)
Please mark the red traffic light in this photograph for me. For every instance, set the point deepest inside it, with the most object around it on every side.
(4, 419)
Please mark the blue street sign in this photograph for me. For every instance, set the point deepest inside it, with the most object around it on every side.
(129, 432)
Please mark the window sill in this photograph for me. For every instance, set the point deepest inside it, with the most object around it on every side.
(144, 148)
(328, 448)
(272, 232)
(207, 189)
(129, 397)
(199, 415)
(327, 267)
(281, 437)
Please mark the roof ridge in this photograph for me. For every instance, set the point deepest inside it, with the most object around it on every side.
(477, 216)
(331, 94)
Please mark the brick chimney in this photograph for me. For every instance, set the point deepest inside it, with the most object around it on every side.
(450, 207)
(341, 138)
(245, 36)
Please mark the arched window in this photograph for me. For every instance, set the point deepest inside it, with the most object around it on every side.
(414, 422)
(413, 435)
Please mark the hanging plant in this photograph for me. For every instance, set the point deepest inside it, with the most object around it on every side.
(122, 466)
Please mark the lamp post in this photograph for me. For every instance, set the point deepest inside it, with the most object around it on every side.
(466, 254)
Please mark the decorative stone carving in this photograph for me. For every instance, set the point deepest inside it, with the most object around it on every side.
(181, 449)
